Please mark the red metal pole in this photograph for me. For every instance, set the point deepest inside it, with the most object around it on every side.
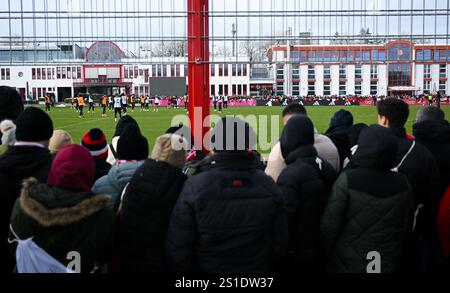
(198, 76)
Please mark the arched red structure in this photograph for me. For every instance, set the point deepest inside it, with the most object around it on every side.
(198, 58)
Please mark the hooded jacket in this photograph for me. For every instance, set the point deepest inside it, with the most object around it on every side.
(228, 218)
(324, 146)
(61, 221)
(339, 136)
(304, 184)
(421, 170)
(370, 208)
(17, 164)
(145, 216)
(435, 136)
(114, 182)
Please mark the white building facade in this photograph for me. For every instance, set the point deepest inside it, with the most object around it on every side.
(397, 68)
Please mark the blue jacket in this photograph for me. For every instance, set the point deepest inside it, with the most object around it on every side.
(113, 183)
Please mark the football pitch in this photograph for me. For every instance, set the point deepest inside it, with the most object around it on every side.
(153, 124)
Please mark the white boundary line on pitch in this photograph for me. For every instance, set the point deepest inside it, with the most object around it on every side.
(79, 123)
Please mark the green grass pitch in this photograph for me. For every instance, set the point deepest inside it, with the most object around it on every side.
(153, 124)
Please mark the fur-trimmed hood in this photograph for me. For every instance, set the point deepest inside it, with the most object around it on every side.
(51, 206)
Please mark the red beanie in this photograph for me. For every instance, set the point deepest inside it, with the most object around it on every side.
(72, 169)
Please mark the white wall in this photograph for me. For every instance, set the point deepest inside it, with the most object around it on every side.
(365, 85)
(418, 77)
(350, 79)
(303, 80)
(382, 80)
(319, 80)
(335, 80)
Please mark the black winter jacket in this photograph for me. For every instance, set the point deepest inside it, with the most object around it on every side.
(228, 218)
(435, 136)
(370, 209)
(101, 169)
(421, 170)
(339, 137)
(305, 185)
(17, 164)
(145, 215)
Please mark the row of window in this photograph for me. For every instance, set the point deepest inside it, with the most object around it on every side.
(223, 69)
(223, 89)
(339, 56)
(157, 70)
(327, 72)
(395, 53)
(442, 71)
(432, 55)
(5, 73)
(69, 72)
(39, 92)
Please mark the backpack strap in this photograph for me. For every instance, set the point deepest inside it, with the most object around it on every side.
(113, 151)
(120, 199)
(395, 169)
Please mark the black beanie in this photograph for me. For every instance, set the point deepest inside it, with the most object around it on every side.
(123, 123)
(34, 125)
(232, 134)
(132, 145)
(298, 132)
(10, 103)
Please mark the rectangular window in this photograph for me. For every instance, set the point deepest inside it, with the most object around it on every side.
(442, 70)
(358, 88)
(373, 88)
(244, 70)
(58, 72)
(233, 89)
(239, 68)
(34, 93)
(158, 70)
(44, 73)
(426, 55)
(280, 72)
(141, 73)
(213, 90)
(226, 89)
(442, 86)
(220, 89)
(154, 70)
(172, 70)
(233, 69)
(38, 73)
(69, 73)
(177, 70)
(327, 72)
(342, 88)
(280, 88)
(3, 73)
(373, 71)
(79, 72)
(244, 90)
(64, 73)
(327, 88)
(311, 88)
(33, 73)
(342, 72)
(212, 70)
(146, 75)
(164, 67)
(125, 72)
(220, 69)
(311, 72)
(239, 90)
(225, 71)
(49, 73)
(366, 56)
(74, 72)
(136, 71)
(427, 85)
(427, 71)
(358, 71)
(296, 88)
(296, 72)
(8, 74)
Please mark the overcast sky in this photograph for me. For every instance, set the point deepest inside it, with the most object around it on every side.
(133, 23)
